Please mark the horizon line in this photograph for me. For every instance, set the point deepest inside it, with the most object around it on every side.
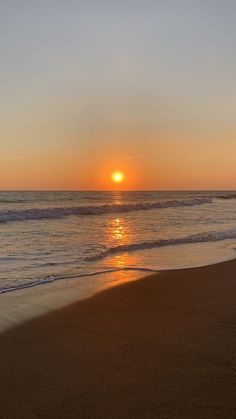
(116, 190)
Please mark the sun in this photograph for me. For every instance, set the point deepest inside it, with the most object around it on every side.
(117, 177)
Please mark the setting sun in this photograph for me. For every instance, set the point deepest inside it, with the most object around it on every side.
(117, 177)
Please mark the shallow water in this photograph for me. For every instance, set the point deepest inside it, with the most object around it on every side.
(47, 236)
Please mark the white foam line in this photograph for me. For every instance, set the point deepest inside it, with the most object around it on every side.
(51, 279)
(59, 212)
(192, 239)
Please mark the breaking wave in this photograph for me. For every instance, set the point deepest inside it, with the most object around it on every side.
(194, 238)
(59, 212)
(228, 196)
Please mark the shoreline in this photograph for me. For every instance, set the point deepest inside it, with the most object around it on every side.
(24, 304)
(161, 346)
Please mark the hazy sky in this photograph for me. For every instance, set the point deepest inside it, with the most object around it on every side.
(147, 87)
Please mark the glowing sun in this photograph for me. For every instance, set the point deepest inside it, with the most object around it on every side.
(117, 177)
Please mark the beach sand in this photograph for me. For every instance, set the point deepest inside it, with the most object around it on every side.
(161, 347)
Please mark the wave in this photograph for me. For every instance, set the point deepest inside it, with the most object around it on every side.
(195, 238)
(231, 196)
(50, 279)
(59, 212)
(13, 201)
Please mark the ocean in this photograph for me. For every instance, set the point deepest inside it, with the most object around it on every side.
(52, 236)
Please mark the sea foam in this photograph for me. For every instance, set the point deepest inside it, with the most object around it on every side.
(59, 212)
(206, 237)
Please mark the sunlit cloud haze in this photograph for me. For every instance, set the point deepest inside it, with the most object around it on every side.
(145, 87)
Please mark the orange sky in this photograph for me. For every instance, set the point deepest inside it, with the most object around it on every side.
(81, 98)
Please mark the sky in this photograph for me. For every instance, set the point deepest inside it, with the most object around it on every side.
(145, 87)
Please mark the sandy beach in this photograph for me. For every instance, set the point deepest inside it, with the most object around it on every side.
(160, 347)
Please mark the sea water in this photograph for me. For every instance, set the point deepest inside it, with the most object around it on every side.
(52, 236)
(59, 247)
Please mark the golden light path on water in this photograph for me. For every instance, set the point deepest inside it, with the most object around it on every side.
(119, 232)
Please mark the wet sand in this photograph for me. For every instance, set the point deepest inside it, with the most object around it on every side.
(161, 347)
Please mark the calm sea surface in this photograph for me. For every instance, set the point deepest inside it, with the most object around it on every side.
(47, 236)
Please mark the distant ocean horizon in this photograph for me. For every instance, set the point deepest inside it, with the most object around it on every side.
(57, 235)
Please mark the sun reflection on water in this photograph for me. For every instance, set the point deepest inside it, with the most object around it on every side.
(116, 198)
(124, 260)
(118, 231)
